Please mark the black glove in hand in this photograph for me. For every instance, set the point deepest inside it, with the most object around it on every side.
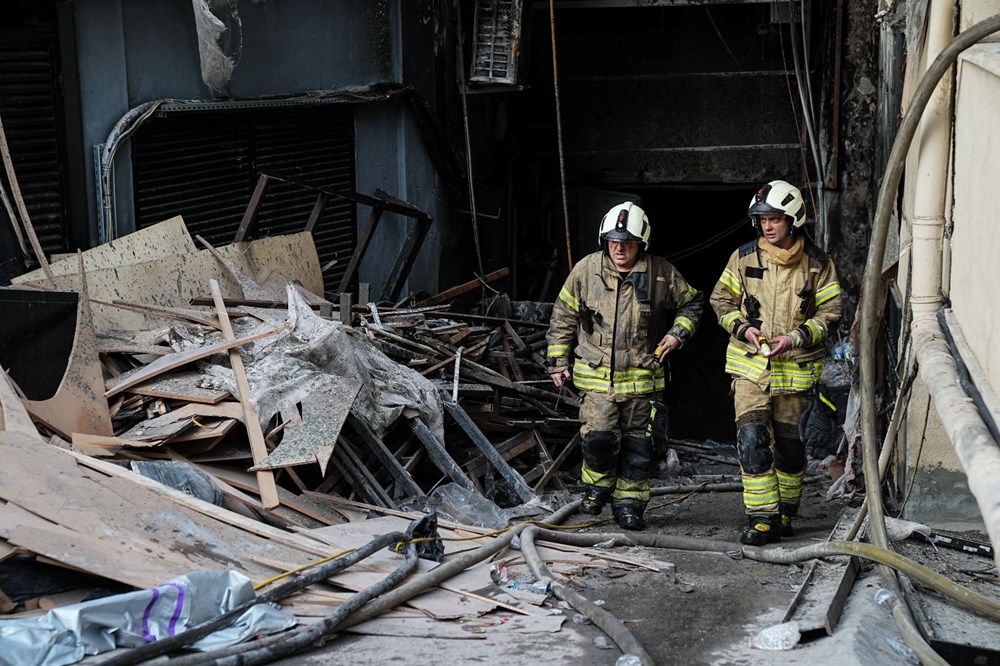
(818, 428)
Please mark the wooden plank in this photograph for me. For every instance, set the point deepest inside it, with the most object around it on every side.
(242, 523)
(560, 459)
(362, 479)
(361, 248)
(174, 314)
(265, 479)
(184, 386)
(97, 445)
(173, 423)
(464, 288)
(167, 363)
(21, 208)
(13, 416)
(249, 220)
(547, 461)
(511, 448)
(509, 475)
(404, 482)
(438, 454)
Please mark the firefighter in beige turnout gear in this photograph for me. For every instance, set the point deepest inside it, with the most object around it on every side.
(617, 317)
(778, 297)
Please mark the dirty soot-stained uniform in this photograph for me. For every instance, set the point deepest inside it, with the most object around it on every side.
(792, 292)
(606, 325)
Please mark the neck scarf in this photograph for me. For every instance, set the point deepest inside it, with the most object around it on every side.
(788, 257)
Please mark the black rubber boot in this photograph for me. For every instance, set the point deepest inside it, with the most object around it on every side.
(764, 528)
(594, 500)
(788, 511)
(786, 526)
(628, 515)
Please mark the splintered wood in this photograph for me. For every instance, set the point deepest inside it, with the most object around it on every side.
(215, 362)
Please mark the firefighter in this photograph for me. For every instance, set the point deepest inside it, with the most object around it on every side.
(619, 315)
(778, 298)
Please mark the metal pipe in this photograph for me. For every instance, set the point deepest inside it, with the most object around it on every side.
(970, 441)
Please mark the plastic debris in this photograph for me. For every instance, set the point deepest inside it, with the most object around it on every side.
(782, 636)
(602, 642)
(628, 660)
(903, 650)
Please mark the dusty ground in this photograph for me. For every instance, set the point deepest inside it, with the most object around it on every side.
(708, 614)
(705, 616)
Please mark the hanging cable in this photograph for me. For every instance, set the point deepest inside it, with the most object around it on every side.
(559, 133)
(460, 67)
(798, 128)
(824, 231)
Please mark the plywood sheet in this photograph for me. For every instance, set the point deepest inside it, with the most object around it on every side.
(167, 238)
(187, 385)
(291, 255)
(312, 439)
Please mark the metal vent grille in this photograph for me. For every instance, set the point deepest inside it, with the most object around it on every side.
(204, 165)
(496, 41)
(32, 120)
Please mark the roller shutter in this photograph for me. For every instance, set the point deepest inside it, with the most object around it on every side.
(204, 166)
(32, 120)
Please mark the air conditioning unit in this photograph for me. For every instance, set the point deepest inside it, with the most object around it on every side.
(497, 41)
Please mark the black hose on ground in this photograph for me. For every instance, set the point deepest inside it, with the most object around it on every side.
(439, 574)
(288, 644)
(604, 620)
(300, 582)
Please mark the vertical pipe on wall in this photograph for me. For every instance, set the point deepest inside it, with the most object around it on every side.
(932, 171)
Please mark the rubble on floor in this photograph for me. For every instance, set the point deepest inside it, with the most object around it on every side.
(185, 437)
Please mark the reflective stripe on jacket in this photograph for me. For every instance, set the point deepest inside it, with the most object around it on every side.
(606, 326)
(802, 301)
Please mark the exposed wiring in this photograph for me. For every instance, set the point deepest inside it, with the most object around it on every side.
(460, 72)
(798, 128)
(701, 245)
(916, 460)
(559, 132)
(824, 239)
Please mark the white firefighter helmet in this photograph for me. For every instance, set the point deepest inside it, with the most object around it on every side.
(778, 196)
(625, 222)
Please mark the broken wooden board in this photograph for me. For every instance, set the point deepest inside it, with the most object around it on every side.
(77, 405)
(167, 363)
(13, 416)
(173, 423)
(292, 255)
(186, 386)
(120, 528)
(251, 419)
(249, 286)
(133, 342)
(104, 447)
(165, 239)
(312, 440)
(166, 282)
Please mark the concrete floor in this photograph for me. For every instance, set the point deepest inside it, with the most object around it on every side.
(706, 616)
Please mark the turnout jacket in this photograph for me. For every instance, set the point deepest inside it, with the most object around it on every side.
(791, 292)
(607, 325)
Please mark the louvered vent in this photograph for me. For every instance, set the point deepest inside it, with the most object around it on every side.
(32, 120)
(204, 165)
(496, 41)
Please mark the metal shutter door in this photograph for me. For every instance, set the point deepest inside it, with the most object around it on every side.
(32, 120)
(204, 165)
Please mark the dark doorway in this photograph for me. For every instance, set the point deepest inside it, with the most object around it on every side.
(696, 229)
